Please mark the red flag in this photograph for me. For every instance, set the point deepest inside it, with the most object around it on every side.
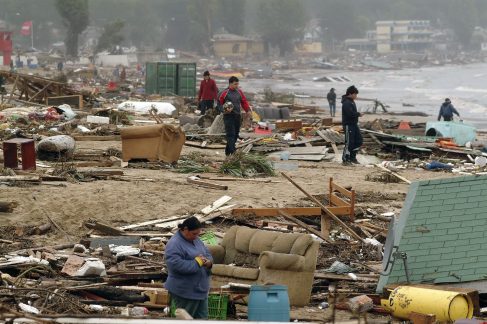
(26, 28)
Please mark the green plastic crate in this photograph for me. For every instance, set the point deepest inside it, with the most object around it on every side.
(209, 238)
(217, 307)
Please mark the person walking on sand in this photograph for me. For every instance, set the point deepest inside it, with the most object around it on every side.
(208, 93)
(232, 100)
(447, 110)
(350, 116)
(332, 101)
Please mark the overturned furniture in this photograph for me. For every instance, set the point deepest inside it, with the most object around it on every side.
(273, 258)
(154, 143)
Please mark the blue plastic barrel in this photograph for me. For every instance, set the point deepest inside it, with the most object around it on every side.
(268, 303)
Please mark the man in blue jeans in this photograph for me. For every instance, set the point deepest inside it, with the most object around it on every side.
(231, 115)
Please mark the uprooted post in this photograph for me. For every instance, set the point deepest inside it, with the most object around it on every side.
(325, 209)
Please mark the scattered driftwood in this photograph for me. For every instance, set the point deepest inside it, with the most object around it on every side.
(8, 207)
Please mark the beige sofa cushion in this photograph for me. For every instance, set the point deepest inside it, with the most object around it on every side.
(284, 242)
(236, 272)
(243, 237)
(262, 241)
(301, 244)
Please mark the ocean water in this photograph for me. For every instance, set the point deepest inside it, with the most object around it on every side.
(424, 88)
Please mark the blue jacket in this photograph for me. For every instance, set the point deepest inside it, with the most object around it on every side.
(185, 277)
(447, 110)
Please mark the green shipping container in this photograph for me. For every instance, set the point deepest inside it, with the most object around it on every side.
(187, 79)
(169, 78)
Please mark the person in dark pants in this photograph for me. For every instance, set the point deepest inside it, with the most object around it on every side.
(447, 110)
(189, 264)
(231, 112)
(207, 94)
(353, 138)
(332, 101)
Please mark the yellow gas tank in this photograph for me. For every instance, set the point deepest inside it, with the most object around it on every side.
(446, 305)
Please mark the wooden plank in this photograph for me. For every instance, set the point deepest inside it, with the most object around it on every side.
(337, 201)
(339, 211)
(393, 173)
(152, 222)
(340, 189)
(324, 208)
(303, 225)
(303, 157)
(205, 184)
(217, 204)
(272, 212)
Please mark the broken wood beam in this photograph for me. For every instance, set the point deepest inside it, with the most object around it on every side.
(325, 209)
(303, 225)
(272, 212)
(8, 207)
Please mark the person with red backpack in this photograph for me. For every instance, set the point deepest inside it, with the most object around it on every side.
(233, 100)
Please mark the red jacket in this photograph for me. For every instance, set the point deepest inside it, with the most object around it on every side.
(208, 90)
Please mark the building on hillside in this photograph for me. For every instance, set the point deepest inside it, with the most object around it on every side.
(230, 45)
(403, 35)
(395, 35)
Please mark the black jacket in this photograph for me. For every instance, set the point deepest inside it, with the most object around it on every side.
(350, 114)
(332, 97)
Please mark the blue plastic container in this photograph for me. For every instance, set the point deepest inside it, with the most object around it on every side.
(268, 303)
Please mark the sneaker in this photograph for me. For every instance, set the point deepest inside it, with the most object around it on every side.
(355, 161)
(348, 163)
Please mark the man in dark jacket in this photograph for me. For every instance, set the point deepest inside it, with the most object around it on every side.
(207, 94)
(353, 138)
(447, 110)
(332, 101)
(233, 101)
